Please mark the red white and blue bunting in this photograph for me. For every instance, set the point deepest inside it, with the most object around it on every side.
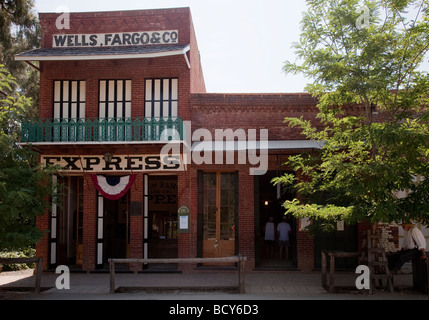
(113, 187)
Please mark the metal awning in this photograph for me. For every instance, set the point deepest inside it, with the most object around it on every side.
(104, 53)
(256, 145)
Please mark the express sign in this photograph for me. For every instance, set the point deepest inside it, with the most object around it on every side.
(120, 163)
(115, 39)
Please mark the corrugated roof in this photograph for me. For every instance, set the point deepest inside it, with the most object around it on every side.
(101, 53)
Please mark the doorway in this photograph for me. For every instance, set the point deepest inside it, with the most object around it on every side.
(218, 204)
(268, 204)
(162, 224)
(67, 229)
(116, 228)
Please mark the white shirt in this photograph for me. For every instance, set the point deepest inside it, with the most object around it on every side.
(283, 228)
(269, 231)
(414, 238)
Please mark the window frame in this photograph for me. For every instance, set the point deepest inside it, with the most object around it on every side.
(116, 103)
(69, 102)
(161, 96)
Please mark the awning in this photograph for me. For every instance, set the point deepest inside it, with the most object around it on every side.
(256, 145)
(104, 53)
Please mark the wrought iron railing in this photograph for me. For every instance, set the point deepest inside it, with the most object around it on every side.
(102, 130)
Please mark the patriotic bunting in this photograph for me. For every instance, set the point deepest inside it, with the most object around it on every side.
(113, 187)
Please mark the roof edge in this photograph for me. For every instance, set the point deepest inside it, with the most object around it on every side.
(107, 56)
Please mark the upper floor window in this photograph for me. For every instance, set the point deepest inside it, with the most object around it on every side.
(161, 98)
(115, 99)
(69, 99)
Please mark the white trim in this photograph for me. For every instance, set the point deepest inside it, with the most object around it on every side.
(201, 145)
(53, 253)
(53, 228)
(187, 60)
(100, 228)
(145, 215)
(53, 224)
(256, 145)
(105, 56)
(99, 253)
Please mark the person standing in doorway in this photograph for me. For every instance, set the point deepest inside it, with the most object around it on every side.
(283, 229)
(270, 237)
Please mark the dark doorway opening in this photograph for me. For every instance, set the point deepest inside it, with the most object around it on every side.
(69, 229)
(268, 203)
(116, 228)
(163, 217)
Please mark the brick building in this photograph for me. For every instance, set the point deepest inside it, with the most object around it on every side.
(125, 115)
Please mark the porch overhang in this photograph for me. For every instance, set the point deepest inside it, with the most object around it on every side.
(104, 53)
(256, 145)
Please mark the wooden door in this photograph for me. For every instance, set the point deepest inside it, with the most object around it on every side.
(219, 214)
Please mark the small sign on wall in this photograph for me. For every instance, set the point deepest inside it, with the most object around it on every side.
(183, 217)
(340, 225)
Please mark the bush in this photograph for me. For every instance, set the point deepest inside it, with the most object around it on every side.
(27, 253)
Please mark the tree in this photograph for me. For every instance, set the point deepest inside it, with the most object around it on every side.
(24, 187)
(364, 55)
(19, 32)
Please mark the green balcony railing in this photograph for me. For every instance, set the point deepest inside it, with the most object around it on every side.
(102, 130)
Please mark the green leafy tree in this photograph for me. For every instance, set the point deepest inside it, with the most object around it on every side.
(24, 187)
(364, 58)
(19, 32)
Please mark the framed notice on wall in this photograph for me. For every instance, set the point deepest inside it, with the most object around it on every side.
(183, 217)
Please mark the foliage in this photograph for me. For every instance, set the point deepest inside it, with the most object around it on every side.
(19, 32)
(361, 73)
(25, 253)
(24, 187)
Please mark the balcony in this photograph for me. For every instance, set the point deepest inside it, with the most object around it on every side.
(112, 130)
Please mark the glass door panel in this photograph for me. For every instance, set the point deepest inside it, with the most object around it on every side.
(219, 214)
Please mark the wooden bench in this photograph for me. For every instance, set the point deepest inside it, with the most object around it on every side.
(234, 259)
(39, 265)
(332, 255)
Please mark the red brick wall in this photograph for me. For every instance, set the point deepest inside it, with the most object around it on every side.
(119, 21)
(42, 247)
(190, 80)
(90, 225)
(197, 76)
(246, 219)
(135, 69)
(305, 250)
(252, 111)
(259, 111)
(187, 196)
(136, 223)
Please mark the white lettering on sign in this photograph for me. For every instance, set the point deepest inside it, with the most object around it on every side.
(120, 163)
(115, 39)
